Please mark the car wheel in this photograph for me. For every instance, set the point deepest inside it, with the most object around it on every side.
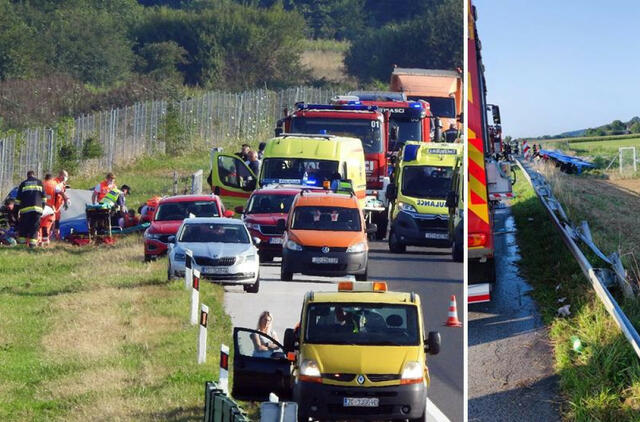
(363, 276)
(253, 288)
(395, 245)
(284, 274)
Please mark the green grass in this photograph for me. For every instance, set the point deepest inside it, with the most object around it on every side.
(95, 333)
(605, 147)
(326, 45)
(603, 382)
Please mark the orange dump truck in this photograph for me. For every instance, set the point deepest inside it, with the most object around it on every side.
(442, 89)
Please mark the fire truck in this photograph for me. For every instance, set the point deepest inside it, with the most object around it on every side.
(356, 120)
(489, 177)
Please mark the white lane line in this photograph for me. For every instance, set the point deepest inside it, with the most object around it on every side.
(434, 414)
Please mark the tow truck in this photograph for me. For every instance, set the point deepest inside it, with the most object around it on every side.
(358, 353)
(420, 192)
(352, 119)
(489, 177)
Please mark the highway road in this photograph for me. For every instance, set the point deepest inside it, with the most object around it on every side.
(510, 359)
(429, 272)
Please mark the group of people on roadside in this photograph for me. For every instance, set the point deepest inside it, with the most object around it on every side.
(108, 195)
(32, 217)
(252, 158)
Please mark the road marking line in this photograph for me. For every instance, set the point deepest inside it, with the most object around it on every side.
(435, 414)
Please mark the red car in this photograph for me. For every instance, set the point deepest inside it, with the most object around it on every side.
(265, 217)
(169, 215)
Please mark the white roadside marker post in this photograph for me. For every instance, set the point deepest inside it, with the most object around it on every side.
(202, 339)
(224, 369)
(188, 265)
(195, 297)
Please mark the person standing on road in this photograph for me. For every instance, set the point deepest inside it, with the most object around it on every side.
(244, 152)
(103, 188)
(263, 346)
(30, 200)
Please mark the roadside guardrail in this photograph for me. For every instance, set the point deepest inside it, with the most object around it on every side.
(599, 278)
(218, 407)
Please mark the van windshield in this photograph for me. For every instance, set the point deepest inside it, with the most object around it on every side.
(180, 210)
(426, 181)
(326, 218)
(374, 324)
(368, 131)
(293, 170)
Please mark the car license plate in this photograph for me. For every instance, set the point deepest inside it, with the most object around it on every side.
(360, 402)
(436, 235)
(216, 270)
(324, 260)
(275, 241)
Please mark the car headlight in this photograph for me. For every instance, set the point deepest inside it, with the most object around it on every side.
(293, 245)
(412, 373)
(250, 258)
(309, 368)
(148, 235)
(253, 226)
(358, 247)
(406, 207)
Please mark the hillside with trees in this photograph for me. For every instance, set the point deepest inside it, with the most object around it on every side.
(67, 58)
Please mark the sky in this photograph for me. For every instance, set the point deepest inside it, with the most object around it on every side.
(556, 66)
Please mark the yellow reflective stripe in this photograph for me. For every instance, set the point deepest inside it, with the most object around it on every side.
(18, 202)
(32, 187)
(29, 209)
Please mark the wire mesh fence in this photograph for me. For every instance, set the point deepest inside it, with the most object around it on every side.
(123, 134)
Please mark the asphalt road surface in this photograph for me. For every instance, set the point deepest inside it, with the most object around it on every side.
(510, 359)
(429, 272)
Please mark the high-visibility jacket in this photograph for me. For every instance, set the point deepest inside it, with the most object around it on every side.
(103, 188)
(50, 191)
(31, 196)
(111, 197)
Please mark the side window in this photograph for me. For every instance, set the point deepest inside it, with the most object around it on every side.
(345, 175)
(255, 344)
(228, 171)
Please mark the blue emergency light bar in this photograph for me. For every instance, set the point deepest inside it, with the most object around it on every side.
(415, 104)
(351, 107)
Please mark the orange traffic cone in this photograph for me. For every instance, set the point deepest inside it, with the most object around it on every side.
(452, 320)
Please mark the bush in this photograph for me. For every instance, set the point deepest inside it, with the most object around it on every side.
(91, 148)
(175, 140)
(68, 158)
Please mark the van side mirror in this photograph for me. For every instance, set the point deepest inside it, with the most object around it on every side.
(227, 213)
(452, 199)
(289, 340)
(391, 192)
(372, 228)
(433, 343)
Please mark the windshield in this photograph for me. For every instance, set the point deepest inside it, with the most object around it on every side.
(326, 218)
(269, 203)
(426, 181)
(408, 130)
(292, 170)
(214, 232)
(362, 324)
(440, 106)
(368, 131)
(181, 210)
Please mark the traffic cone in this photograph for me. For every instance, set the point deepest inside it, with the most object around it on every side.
(452, 320)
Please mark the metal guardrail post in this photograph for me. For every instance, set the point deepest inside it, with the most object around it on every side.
(609, 302)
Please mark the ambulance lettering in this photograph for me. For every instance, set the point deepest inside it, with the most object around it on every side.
(430, 203)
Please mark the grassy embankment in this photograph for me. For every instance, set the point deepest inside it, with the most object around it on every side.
(325, 60)
(600, 149)
(95, 333)
(603, 381)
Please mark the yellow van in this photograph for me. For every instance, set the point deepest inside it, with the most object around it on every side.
(359, 353)
(423, 180)
(291, 159)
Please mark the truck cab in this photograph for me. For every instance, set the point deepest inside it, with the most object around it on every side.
(292, 159)
(358, 353)
(423, 180)
(353, 119)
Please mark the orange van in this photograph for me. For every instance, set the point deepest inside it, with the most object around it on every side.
(325, 235)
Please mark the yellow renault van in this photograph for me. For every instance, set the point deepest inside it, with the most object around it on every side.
(422, 182)
(291, 159)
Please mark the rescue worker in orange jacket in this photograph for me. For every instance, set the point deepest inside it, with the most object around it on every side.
(103, 188)
(61, 199)
(30, 200)
(47, 221)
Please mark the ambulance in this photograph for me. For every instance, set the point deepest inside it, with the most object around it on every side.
(423, 181)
